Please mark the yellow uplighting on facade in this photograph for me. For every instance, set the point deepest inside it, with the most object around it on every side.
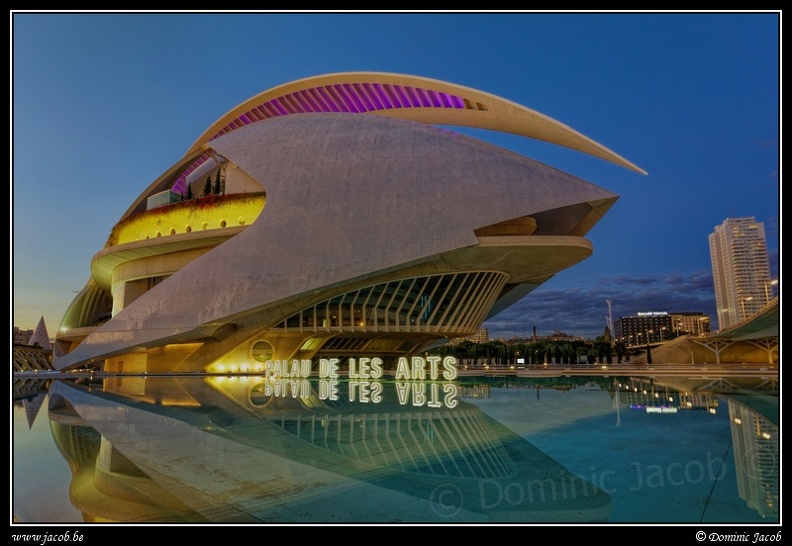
(151, 223)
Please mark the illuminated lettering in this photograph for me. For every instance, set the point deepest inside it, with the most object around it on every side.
(418, 394)
(295, 385)
(328, 367)
(415, 394)
(403, 391)
(287, 387)
(365, 368)
(451, 393)
(450, 369)
(414, 368)
(418, 368)
(376, 392)
(353, 374)
(433, 362)
(328, 390)
(365, 391)
(402, 369)
(289, 369)
(376, 368)
(434, 397)
(353, 385)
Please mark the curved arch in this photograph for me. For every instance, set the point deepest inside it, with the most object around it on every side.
(413, 98)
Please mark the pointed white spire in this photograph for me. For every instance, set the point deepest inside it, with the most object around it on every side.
(41, 336)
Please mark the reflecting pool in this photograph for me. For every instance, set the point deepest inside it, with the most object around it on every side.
(477, 449)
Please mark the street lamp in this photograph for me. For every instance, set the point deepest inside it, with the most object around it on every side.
(742, 306)
(768, 293)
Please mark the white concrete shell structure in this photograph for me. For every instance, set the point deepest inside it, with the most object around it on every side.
(326, 233)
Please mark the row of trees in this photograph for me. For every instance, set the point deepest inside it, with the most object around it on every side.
(500, 353)
(210, 188)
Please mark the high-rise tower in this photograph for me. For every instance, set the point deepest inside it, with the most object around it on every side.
(740, 269)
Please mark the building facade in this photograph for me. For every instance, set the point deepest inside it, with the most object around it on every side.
(328, 218)
(643, 328)
(21, 337)
(694, 324)
(740, 270)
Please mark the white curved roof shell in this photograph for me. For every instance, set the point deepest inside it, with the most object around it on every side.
(352, 197)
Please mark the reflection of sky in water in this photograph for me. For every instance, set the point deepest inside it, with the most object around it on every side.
(661, 468)
(41, 475)
(656, 467)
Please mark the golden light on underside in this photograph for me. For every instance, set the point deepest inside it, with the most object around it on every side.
(182, 218)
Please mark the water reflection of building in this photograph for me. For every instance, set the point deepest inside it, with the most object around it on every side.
(475, 391)
(647, 393)
(422, 234)
(753, 416)
(245, 449)
(756, 441)
(105, 486)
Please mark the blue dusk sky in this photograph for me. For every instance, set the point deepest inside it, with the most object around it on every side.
(103, 103)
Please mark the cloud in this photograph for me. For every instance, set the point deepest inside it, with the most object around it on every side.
(582, 310)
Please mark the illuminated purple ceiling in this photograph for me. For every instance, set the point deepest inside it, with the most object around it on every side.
(346, 97)
(181, 183)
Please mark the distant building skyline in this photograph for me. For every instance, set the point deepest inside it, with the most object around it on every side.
(21, 336)
(658, 326)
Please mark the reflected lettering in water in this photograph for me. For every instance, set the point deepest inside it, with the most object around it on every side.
(475, 449)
